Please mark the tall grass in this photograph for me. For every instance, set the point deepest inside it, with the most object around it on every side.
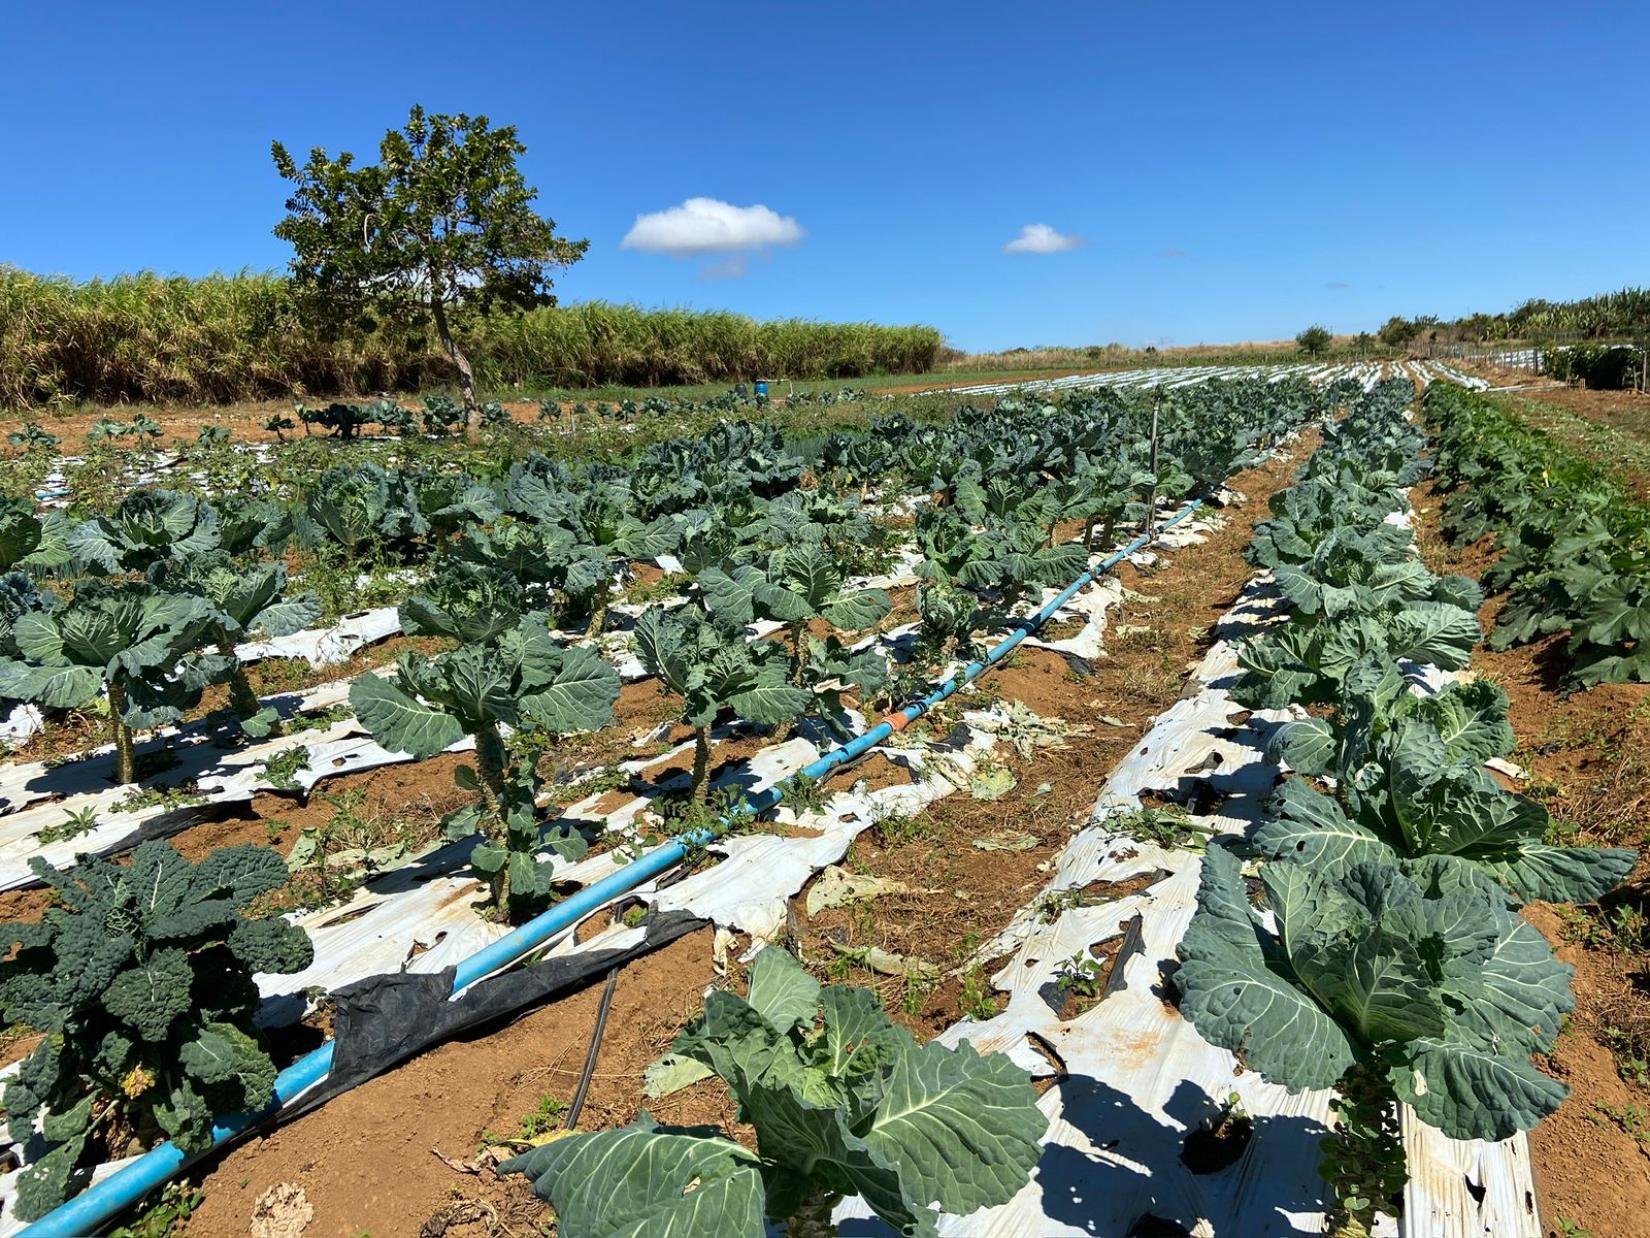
(149, 338)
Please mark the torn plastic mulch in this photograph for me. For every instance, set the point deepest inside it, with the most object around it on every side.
(384, 1020)
(1132, 1080)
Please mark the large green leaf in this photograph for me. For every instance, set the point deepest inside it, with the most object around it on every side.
(1232, 995)
(1470, 1092)
(399, 722)
(579, 696)
(854, 612)
(221, 1054)
(647, 1181)
(781, 991)
(961, 1130)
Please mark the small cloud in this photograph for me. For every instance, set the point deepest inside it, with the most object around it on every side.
(1041, 239)
(1171, 253)
(1336, 285)
(710, 226)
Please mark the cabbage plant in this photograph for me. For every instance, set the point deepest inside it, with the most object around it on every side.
(1388, 985)
(843, 1102)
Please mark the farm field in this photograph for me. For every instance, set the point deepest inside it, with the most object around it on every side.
(596, 704)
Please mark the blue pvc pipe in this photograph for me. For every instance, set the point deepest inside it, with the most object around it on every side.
(98, 1203)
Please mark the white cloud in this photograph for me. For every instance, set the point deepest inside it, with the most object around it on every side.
(709, 226)
(1041, 239)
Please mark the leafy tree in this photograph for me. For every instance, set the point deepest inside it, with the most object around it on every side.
(1397, 332)
(1314, 340)
(443, 224)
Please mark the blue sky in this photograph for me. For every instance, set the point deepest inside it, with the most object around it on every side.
(1232, 172)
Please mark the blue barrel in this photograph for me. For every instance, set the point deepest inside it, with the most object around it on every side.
(760, 387)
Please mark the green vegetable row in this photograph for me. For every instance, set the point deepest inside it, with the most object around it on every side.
(1393, 966)
(1573, 550)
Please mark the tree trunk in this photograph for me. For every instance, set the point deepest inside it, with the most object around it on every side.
(701, 766)
(125, 759)
(466, 375)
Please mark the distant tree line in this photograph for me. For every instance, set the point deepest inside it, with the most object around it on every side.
(1611, 315)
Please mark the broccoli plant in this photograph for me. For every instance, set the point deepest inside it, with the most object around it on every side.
(711, 667)
(507, 673)
(844, 1103)
(140, 976)
(1389, 985)
(140, 644)
(246, 600)
(451, 502)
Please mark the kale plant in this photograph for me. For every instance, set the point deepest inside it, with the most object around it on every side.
(140, 976)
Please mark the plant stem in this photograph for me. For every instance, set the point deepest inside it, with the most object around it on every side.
(242, 699)
(812, 1218)
(701, 766)
(125, 760)
(490, 763)
(1363, 1161)
(798, 631)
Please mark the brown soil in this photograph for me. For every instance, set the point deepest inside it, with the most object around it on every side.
(366, 1160)
(974, 892)
(1585, 754)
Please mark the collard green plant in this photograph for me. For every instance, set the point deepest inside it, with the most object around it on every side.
(711, 668)
(140, 977)
(247, 600)
(509, 673)
(1410, 785)
(140, 644)
(1417, 986)
(843, 1102)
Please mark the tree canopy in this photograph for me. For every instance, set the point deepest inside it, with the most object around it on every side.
(443, 224)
